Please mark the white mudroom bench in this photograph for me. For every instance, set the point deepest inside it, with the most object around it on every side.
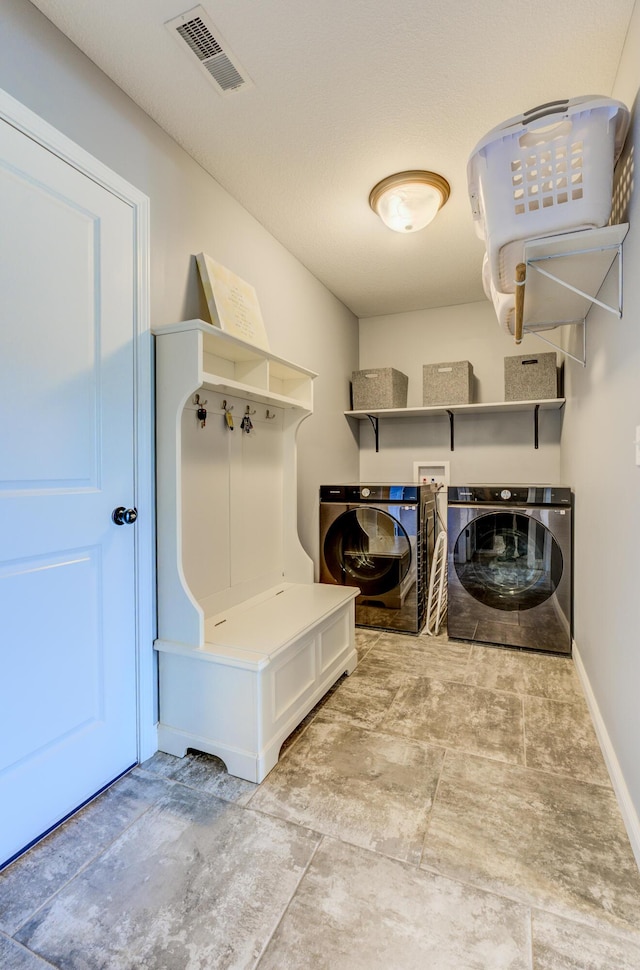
(247, 641)
(263, 666)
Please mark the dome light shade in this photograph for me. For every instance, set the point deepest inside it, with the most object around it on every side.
(409, 201)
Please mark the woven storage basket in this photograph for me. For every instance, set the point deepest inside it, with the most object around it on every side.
(447, 383)
(530, 377)
(382, 387)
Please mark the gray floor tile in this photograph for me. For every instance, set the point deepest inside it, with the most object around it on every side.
(161, 764)
(182, 867)
(364, 640)
(562, 945)
(459, 716)
(358, 911)
(205, 772)
(13, 956)
(522, 672)
(198, 882)
(366, 696)
(559, 736)
(374, 673)
(547, 840)
(367, 788)
(297, 733)
(37, 875)
(429, 656)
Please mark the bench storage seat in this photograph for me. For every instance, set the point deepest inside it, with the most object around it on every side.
(263, 667)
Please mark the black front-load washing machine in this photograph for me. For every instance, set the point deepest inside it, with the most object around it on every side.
(509, 565)
(379, 538)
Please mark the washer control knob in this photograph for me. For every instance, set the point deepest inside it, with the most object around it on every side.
(505, 493)
(366, 492)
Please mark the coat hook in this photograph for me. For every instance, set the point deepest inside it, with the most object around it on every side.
(269, 416)
(201, 412)
(227, 415)
(248, 410)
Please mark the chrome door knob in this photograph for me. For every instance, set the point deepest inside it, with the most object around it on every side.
(122, 516)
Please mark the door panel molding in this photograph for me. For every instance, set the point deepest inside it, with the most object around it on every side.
(26, 121)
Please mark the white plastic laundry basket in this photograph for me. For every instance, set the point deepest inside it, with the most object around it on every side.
(547, 171)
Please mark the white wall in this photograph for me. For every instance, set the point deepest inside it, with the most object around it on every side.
(598, 460)
(191, 213)
(488, 447)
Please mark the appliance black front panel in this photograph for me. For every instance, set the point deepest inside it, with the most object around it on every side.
(529, 495)
(370, 493)
(509, 573)
(379, 538)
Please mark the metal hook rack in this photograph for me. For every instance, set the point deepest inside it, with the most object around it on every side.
(201, 411)
(227, 415)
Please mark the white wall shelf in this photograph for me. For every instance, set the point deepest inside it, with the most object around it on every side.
(374, 416)
(581, 261)
(227, 364)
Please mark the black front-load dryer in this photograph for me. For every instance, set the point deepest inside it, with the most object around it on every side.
(379, 538)
(509, 565)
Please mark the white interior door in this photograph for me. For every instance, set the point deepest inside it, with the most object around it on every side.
(67, 580)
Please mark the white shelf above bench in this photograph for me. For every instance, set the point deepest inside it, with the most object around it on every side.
(227, 364)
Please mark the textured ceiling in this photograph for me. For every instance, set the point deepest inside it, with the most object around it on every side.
(344, 94)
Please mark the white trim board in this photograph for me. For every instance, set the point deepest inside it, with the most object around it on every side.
(36, 128)
(627, 808)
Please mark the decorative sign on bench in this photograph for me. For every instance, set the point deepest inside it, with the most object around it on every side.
(233, 304)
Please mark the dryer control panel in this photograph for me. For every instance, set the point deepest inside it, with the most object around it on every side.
(371, 493)
(521, 495)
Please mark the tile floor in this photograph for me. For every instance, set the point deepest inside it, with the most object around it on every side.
(446, 806)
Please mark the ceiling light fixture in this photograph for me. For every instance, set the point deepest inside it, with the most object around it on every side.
(409, 201)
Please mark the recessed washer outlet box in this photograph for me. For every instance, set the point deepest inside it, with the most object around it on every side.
(431, 471)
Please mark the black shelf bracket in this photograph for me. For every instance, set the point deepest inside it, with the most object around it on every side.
(375, 422)
(451, 429)
(535, 425)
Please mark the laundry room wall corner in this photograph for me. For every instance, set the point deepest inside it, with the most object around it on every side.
(598, 459)
(625, 801)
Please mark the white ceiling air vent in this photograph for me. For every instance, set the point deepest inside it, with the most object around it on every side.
(195, 30)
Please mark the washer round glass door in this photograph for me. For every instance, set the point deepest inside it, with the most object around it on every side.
(508, 560)
(369, 548)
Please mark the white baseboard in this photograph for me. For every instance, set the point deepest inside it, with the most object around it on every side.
(627, 808)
